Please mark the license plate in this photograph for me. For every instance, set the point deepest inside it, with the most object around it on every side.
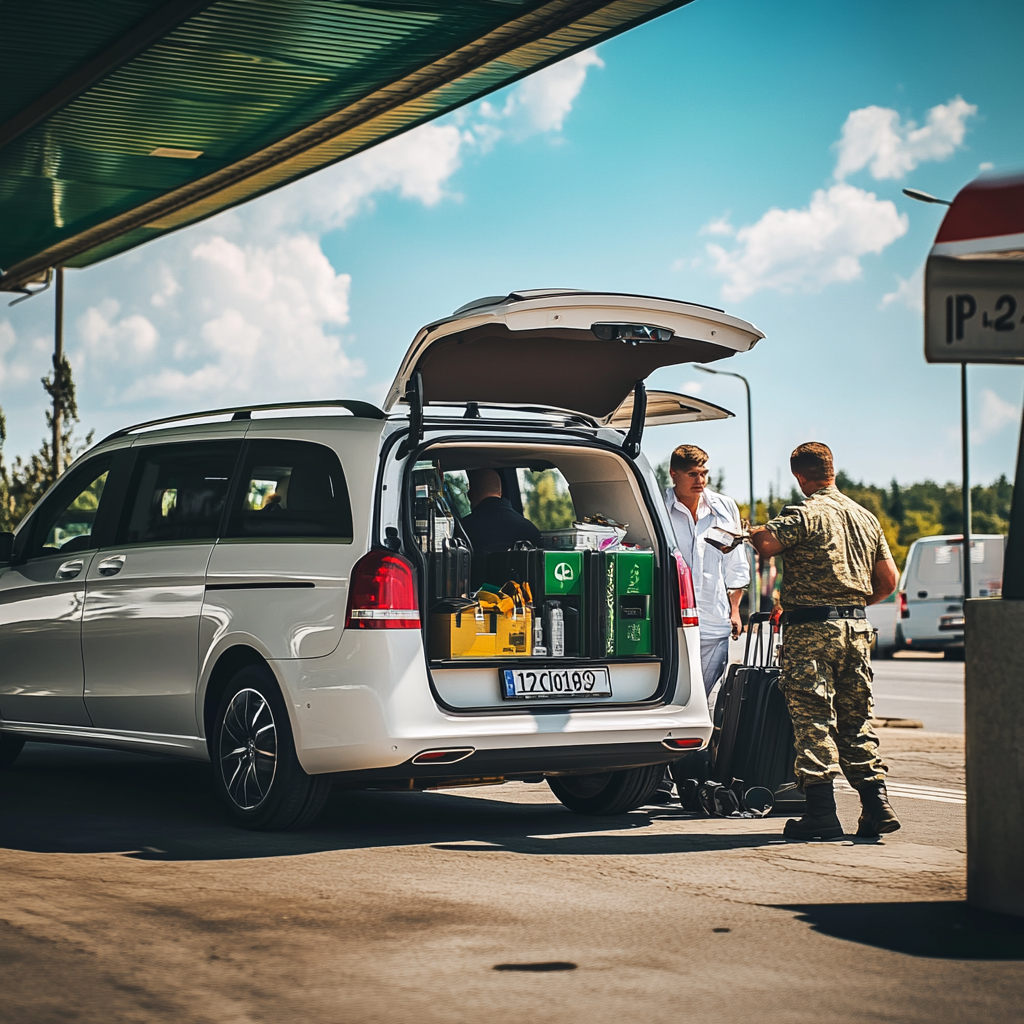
(539, 683)
(952, 622)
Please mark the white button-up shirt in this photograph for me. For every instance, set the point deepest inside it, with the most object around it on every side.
(714, 572)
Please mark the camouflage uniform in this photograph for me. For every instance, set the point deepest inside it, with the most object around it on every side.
(831, 545)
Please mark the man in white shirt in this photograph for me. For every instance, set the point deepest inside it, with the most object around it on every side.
(719, 579)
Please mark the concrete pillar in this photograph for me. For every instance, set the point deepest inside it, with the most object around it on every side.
(994, 696)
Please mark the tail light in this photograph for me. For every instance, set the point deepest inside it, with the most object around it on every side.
(382, 593)
(687, 601)
(904, 609)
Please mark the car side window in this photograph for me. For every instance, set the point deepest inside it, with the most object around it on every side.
(178, 492)
(291, 489)
(66, 520)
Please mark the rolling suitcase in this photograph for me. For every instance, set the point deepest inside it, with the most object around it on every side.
(752, 744)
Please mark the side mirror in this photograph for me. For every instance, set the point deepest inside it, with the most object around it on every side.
(6, 547)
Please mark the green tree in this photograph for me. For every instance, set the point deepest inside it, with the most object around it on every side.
(24, 482)
(545, 502)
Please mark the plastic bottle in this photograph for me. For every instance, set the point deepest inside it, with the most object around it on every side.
(539, 650)
(556, 629)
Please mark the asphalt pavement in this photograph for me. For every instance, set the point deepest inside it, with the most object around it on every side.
(930, 690)
(128, 898)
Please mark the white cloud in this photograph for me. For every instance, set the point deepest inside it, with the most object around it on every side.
(909, 292)
(542, 102)
(718, 226)
(805, 250)
(986, 166)
(876, 138)
(111, 339)
(995, 414)
(415, 165)
(692, 387)
(268, 335)
(418, 164)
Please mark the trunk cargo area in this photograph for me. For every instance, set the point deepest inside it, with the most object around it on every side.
(576, 614)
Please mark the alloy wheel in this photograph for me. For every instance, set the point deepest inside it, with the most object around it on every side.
(248, 749)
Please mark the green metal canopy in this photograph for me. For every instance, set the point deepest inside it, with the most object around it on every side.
(122, 120)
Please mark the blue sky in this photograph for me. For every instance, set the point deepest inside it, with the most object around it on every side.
(734, 153)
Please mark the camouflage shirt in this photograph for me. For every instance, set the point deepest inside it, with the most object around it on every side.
(831, 545)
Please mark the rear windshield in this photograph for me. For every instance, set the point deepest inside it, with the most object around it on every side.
(940, 563)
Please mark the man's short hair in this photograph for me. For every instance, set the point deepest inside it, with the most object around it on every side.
(813, 461)
(686, 456)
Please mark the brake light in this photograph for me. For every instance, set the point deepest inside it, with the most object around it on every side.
(904, 609)
(382, 594)
(687, 600)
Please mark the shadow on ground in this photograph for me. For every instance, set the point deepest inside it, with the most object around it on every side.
(58, 799)
(944, 929)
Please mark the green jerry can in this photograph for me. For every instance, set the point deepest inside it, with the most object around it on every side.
(629, 593)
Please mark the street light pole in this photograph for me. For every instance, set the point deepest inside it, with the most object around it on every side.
(966, 484)
(753, 604)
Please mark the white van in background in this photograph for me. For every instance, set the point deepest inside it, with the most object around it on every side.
(931, 592)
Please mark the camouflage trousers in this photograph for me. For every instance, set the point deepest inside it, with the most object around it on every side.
(826, 678)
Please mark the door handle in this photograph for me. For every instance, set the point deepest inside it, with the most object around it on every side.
(69, 570)
(111, 566)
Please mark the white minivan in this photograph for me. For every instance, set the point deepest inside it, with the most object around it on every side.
(290, 592)
(931, 591)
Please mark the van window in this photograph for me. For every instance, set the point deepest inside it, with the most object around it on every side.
(938, 563)
(66, 520)
(291, 489)
(178, 492)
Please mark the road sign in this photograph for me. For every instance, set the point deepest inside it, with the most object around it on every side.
(974, 310)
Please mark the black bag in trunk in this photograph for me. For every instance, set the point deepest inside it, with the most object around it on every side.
(752, 744)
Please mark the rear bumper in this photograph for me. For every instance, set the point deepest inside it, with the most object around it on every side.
(510, 764)
(368, 709)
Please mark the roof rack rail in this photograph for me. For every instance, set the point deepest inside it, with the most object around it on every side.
(244, 412)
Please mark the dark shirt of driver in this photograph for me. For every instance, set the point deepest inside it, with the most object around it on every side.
(494, 525)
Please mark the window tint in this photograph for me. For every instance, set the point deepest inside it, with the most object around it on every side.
(178, 492)
(291, 489)
(66, 520)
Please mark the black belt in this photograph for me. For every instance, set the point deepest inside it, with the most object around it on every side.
(823, 613)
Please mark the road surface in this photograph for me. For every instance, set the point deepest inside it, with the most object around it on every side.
(127, 898)
(928, 689)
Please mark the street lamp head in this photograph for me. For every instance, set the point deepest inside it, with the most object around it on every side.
(706, 369)
(924, 197)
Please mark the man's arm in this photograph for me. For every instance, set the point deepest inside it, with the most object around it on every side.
(735, 596)
(765, 542)
(884, 577)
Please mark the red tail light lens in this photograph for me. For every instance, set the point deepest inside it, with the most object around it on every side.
(687, 601)
(904, 610)
(382, 594)
(682, 744)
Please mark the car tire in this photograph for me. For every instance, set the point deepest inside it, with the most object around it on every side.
(607, 792)
(256, 771)
(10, 748)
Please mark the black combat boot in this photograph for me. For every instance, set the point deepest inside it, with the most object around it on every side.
(821, 820)
(876, 816)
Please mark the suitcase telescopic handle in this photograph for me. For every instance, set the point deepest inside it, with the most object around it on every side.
(758, 619)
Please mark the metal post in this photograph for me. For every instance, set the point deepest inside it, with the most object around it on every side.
(57, 460)
(966, 485)
(754, 591)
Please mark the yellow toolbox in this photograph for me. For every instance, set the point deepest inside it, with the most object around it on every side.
(487, 626)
